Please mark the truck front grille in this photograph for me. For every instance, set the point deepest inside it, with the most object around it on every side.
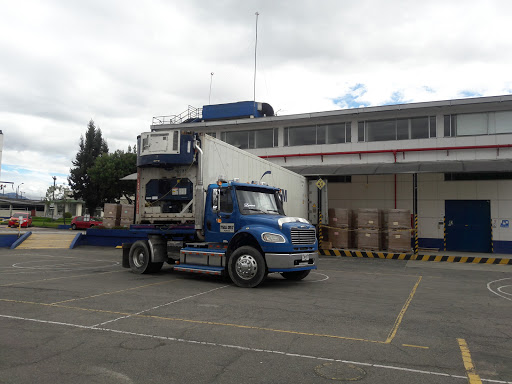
(303, 236)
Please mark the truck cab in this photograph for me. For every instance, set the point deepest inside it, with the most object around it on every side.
(249, 219)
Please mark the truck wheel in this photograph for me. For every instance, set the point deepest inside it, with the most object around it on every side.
(73, 227)
(298, 275)
(246, 267)
(140, 259)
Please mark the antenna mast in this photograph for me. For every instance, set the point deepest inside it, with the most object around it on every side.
(210, 95)
(255, 50)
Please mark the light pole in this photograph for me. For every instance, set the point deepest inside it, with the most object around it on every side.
(18, 188)
(53, 198)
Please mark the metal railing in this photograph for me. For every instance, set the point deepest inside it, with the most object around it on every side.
(190, 115)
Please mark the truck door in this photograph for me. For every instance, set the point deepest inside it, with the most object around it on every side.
(221, 226)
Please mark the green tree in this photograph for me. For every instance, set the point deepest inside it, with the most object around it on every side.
(55, 195)
(91, 147)
(107, 172)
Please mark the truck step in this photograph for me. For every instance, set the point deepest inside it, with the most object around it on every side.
(199, 269)
(203, 252)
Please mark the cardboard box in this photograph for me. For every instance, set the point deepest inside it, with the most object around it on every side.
(110, 222)
(339, 217)
(367, 238)
(339, 237)
(127, 211)
(367, 218)
(396, 218)
(126, 222)
(398, 241)
(112, 210)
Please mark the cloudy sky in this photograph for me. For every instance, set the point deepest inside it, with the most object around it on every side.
(119, 63)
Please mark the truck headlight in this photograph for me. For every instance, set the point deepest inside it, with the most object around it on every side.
(272, 238)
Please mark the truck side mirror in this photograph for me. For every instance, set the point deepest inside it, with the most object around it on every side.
(216, 200)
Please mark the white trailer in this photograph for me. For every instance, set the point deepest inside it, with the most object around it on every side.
(217, 159)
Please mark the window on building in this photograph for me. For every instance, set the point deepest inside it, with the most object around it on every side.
(317, 134)
(473, 124)
(338, 133)
(433, 127)
(471, 176)
(419, 128)
(361, 131)
(263, 138)
(397, 129)
(503, 122)
(450, 125)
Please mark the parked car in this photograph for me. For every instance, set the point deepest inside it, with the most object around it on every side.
(26, 220)
(81, 222)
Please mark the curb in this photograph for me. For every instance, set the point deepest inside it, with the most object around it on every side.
(409, 256)
(75, 241)
(21, 239)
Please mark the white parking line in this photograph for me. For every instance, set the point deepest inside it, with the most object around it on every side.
(160, 306)
(239, 347)
(498, 291)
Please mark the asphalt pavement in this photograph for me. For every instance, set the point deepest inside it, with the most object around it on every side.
(78, 316)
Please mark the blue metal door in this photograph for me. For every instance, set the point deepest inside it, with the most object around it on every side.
(468, 225)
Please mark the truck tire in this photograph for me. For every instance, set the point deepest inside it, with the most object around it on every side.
(140, 258)
(298, 275)
(246, 267)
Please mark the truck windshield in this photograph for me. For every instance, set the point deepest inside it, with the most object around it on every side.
(252, 202)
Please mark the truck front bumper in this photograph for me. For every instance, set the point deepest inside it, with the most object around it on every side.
(288, 262)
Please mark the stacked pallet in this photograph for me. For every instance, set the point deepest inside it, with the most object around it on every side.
(126, 215)
(397, 230)
(111, 215)
(367, 226)
(339, 228)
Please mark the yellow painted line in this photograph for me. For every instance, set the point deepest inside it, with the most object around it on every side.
(359, 254)
(425, 258)
(113, 292)
(438, 258)
(490, 261)
(337, 253)
(198, 321)
(476, 260)
(370, 255)
(450, 259)
(119, 247)
(57, 278)
(390, 255)
(398, 320)
(380, 254)
(347, 253)
(415, 346)
(65, 307)
(402, 256)
(463, 259)
(504, 261)
(473, 378)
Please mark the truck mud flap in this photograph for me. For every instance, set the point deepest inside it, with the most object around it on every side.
(126, 255)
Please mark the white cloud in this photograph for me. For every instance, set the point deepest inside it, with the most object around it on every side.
(122, 62)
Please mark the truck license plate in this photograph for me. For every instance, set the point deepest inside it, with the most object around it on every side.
(305, 257)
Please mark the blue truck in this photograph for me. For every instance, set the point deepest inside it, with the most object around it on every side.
(209, 207)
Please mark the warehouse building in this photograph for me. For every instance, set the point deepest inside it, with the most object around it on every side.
(458, 153)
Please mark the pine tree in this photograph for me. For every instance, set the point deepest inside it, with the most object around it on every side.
(92, 147)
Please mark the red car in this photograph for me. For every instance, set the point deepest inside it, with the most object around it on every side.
(26, 220)
(81, 222)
